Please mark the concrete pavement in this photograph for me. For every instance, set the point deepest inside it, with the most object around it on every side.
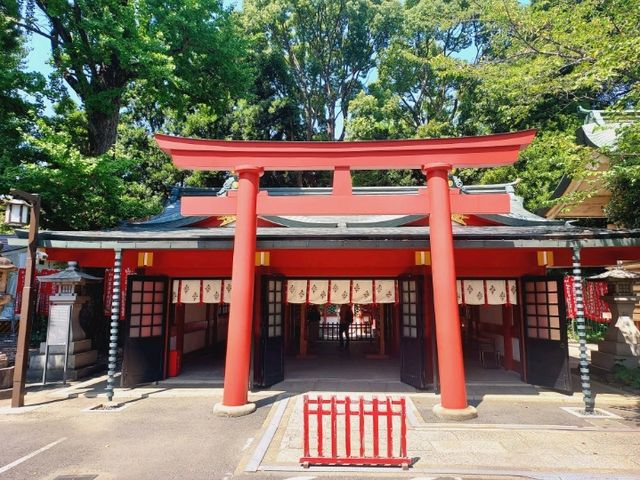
(172, 433)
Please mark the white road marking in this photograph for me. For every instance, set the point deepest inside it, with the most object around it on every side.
(247, 444)
(261, 449)
(31, 455)
(300, 478)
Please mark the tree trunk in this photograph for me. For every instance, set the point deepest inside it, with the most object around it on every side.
(102, 128)
(331, 121)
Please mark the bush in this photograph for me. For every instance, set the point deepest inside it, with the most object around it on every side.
(626, 375)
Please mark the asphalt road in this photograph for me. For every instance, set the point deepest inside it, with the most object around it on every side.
(163, 438)
(150, 439)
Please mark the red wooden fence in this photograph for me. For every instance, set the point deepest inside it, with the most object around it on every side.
(347, 409)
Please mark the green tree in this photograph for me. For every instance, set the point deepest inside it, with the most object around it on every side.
(623, 178)
(329, 48)
(538, 63)
(16, 85)
(79, 192)
(545, 58)
(178, 52)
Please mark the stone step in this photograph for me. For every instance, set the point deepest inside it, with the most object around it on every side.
(78, 346)
(607, 360)
(35, 375)
(56, 361)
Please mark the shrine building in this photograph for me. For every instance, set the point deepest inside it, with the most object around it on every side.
(436, 276)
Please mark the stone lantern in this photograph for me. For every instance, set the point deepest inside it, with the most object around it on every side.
(622, 343)
(6, 267)
(6, 372)
(66, 337)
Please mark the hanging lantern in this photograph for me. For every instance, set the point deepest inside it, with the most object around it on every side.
(17, 213)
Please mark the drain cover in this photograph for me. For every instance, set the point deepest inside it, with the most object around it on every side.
(107, 407)
(76, 477)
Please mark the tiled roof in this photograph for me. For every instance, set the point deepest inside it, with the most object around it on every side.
(171, 218)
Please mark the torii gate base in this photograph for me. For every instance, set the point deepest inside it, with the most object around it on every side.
(435, 157)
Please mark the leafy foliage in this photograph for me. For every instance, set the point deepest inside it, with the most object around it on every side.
(178, 52)
(623, 178)
(328, 48)
(79, 192)
(286, 70)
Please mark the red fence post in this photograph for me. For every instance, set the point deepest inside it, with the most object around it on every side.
(319, 417)
(334, 433)
(347, 426)
(403, 428)
(376, 445)
(361, 420)
(339, 456)
(389, 428)
(306, 425)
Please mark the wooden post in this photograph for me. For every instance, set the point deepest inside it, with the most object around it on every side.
(453, 395)
(237, 364)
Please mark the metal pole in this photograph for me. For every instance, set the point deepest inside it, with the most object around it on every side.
(115, 316)
(585, 377)
(26, 309)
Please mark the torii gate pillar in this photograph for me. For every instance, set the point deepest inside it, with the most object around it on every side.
(237, 365)
(453, 394)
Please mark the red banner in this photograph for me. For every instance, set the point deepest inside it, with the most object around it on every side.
(42, 290)
(594, 307)
(107, 294)
(570, 297)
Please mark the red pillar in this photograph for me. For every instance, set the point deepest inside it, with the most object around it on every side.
(453, 392)
(236, 376)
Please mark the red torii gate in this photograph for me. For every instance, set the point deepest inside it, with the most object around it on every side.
(435, 157)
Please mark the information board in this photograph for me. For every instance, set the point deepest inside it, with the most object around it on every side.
(58, 330)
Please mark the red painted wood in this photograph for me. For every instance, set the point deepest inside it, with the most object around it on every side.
(507, 320)
(315, 408)
(237, 364)
(389, 415)
(403, 427)
(361, 424)
(414, 204)
(305, 420)
(319, 425)
(482, 151)
(376, 417)
(334, 427)
(453, 394)
(347, 426)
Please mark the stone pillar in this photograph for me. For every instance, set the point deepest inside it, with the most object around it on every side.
(237, 364)
(453, 394)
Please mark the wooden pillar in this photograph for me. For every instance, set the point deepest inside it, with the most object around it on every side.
(453, 396)
(303, 332)
(507, 321)
(238, 360)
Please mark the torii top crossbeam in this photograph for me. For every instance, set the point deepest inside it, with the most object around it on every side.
(342, 157)
(462, 152)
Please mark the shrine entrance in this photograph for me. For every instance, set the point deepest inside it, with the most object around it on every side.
(368, 331)
(434, 157)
